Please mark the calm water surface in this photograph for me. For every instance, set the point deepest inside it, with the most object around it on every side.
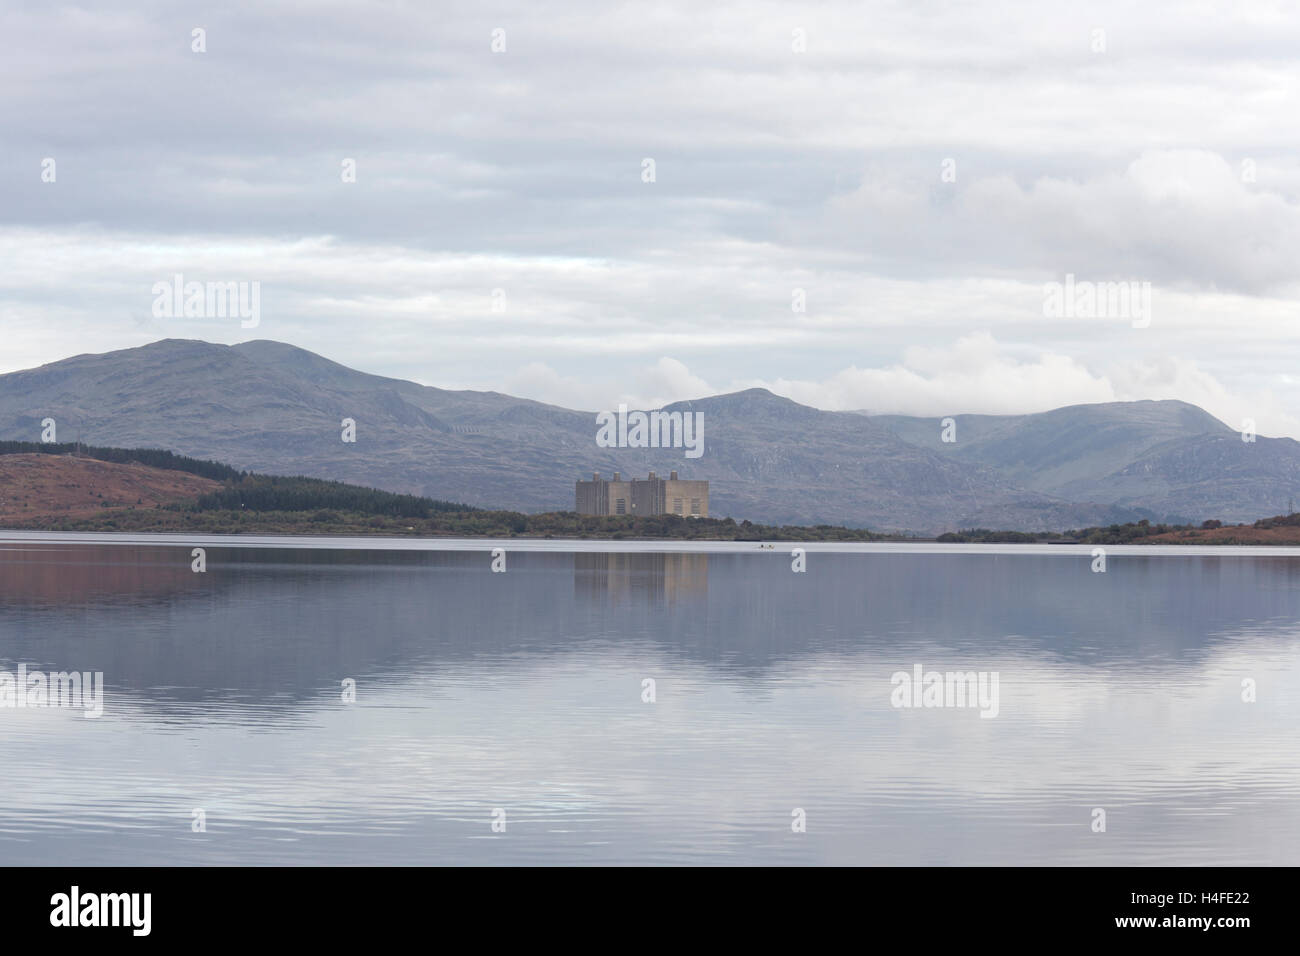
(523, 691)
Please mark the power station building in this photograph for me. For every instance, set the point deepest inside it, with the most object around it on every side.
(642, 496)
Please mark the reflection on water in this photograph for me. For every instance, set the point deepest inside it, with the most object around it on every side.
(523, 690)
(660, 578)
(62, 576)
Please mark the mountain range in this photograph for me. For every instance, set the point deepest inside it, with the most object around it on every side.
(275, 408)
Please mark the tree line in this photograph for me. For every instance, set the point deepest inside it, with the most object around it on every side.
(250, 491)
(152, 457)
(253, 492)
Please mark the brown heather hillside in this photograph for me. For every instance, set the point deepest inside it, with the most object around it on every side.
(65, 487)
(1230, 534)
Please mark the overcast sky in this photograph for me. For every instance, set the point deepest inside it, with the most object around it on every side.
(796, 146)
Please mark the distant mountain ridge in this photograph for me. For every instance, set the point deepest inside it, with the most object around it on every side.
(275, 408)
(1169, 457)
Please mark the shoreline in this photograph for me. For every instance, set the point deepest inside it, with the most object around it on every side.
(14, 540)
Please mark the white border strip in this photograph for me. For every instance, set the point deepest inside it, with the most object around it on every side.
(515, 545)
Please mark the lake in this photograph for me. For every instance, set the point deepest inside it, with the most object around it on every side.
(628, 703)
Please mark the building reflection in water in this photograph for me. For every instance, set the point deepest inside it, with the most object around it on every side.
(656, 578)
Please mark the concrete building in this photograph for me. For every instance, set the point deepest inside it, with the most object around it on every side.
(642, 496)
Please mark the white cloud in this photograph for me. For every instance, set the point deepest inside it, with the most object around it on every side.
(1181, 218)
(975, 375)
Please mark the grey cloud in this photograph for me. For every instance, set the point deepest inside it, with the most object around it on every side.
(776, 170)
